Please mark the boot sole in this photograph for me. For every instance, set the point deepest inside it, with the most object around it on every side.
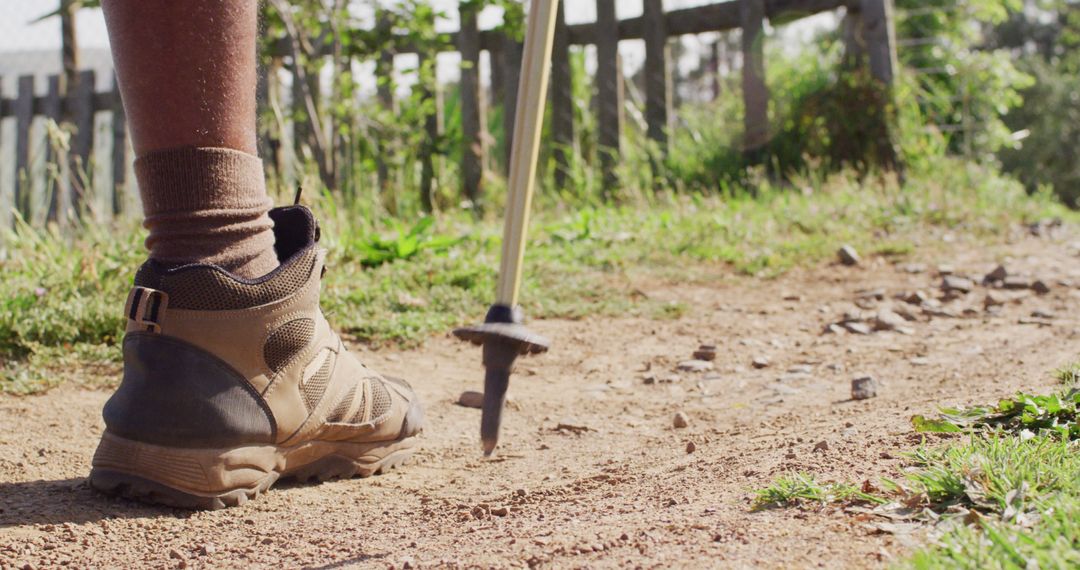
(211, 479)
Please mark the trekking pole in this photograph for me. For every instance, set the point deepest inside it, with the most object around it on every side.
(503, 335)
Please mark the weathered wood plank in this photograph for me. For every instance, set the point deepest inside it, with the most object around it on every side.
(384, 73)
(80, 105)
(755, 93)
(562, 101)
(511, 77)
(609, 93)
(119, 151)
(53, 108)
(657, 72)
(24, 117)
(474, 145)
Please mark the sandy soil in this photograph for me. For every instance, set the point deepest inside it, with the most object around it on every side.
(592, 472)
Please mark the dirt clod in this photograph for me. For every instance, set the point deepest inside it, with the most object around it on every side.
(691, 447)
(821, 446)
(863, 387)
(500, 511)
(680, 420)
(706, 352)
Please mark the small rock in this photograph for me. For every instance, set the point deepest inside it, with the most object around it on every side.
(792, 297)
(800, 369)
(471, 399)
(691, 447)
(848, 255)
(680, 420)
(207, 549)
(998, 274)
(760, 362)
(887, 320)
(916, 298)
(821, 446)
(863, 387)
(500, 511)
(857, 327)
(957, 283)
(913, 268)
(573, 426)
(706, 352)
(945, 269)
(834, 328)
(521, 492)
(1016, 282)
(1041, 314)
(175, 554)
(993, 300)
(1040, 287)
(695, 366)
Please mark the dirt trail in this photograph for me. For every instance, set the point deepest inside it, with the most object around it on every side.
(614, 486)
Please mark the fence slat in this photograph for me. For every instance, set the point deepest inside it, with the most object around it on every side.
(81, 106)
(511, 62)
(431, 128)
(24, 117)
(657, 74)
(755, 93)
(53, 108)
(384, 73)
(562, 101)
(473, 144)
(609, 92)
(119, 150)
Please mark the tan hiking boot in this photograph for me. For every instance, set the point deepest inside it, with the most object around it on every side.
(230, 384)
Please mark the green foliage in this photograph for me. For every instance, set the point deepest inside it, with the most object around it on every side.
(1051, 120)
(1056, 413)
(404, 243)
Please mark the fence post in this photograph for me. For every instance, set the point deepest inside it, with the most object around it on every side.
(880, 37)
(81, 105)
(119, 150)
(473, 141)
(60, 198)
(755, 93)
(609, 93)
(880, 44)
(562, 101)
(657, 72)
(24, 117)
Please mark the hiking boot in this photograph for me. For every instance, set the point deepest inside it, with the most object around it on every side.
(230, 384)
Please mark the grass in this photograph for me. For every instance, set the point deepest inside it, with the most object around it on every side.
(1008, 494)
(400, 281)
(797, 488)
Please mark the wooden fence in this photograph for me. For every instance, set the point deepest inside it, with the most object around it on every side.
(868, 30)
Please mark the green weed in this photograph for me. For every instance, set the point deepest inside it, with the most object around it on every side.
(796, 488)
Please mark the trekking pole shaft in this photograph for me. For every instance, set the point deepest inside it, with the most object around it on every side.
(532, 97)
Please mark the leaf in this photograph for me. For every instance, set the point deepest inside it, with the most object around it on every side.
(924, 424)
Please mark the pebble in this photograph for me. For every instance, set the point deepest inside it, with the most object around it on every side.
(471, 399)
(863, 387)
(207, 549)
(887, 320)
(1016, 282)
(1040, 287)
(695, 365)
(998, 274)
(848, 255)
(857, 327)
(175, 554)
(760, 362)
(680, 420)
(706, 352)
(500, 511)
(691, 447)
(821, 446)
(957, 283)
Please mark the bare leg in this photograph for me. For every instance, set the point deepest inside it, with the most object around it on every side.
(187, 72)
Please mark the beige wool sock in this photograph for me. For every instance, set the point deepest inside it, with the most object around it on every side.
(207, 205)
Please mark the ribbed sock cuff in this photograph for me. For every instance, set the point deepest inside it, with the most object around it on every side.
(207, 205)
